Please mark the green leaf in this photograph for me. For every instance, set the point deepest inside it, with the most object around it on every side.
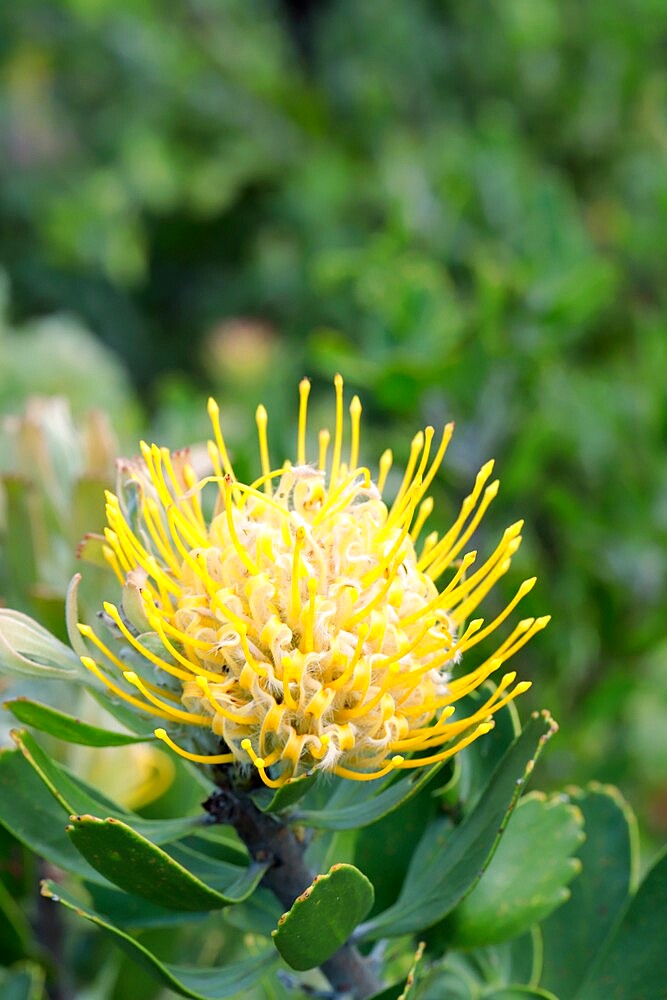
(259, 913)
(322, 918)
(14, 929)
(392, 992)
(16, 864)
(574, 934)
(519, 993)
(276, 800)
(526, 878)
(136, 865)
(28, 650)
(34, 817)
(451, 979)
(219, 842)
(200, 984)
(478, 760)
(449, 862)
(76, 799)
(128, 911)
(632, 964)
(23, 983)
(384, 849)
(351, 807)
(67, 727)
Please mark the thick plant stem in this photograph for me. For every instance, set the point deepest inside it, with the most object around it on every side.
(267, 839)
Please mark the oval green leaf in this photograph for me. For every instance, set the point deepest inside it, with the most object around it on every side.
(136, 865)
(527, 876)
(323, 917)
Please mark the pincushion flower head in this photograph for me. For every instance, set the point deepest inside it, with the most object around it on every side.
(302, 625)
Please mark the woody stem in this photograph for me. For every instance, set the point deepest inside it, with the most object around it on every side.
(269, 839)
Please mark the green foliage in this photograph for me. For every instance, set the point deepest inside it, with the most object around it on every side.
(323, 917)
(461, 207)
(349, 808)
(574, 934)
(133, 863)
(24, 982)
(632, 962)
(201, 984)
(494, 903)
(66, 727)
(527, 876)
(447, 863)
(15, 933)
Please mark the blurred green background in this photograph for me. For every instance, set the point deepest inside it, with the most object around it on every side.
(461, 206)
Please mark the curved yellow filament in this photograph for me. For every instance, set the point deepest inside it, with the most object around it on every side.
(196, 758)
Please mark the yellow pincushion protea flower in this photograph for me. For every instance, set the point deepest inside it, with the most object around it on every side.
(300, 628)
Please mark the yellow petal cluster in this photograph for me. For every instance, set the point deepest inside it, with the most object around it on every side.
(299, 626)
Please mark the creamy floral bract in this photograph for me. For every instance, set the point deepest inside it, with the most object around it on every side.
(300, 627)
